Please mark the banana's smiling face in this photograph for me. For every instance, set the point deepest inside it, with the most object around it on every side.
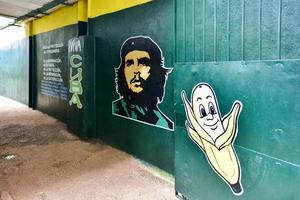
(206, 110)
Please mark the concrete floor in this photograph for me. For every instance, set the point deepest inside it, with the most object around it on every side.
(40, 160)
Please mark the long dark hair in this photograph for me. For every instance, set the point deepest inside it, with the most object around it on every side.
(155, 85)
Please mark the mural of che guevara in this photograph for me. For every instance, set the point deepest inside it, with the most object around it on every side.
(140, 82)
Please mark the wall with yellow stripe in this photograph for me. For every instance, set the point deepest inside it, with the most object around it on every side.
(101, 7)
(79, 11)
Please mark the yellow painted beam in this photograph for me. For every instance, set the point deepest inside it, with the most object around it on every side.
(64, 16)
(101, 7)
(82, 11)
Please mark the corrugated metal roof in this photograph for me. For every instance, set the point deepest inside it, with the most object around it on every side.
(17, 8)
(25, 10)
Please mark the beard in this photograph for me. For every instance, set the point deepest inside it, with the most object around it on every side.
(144, 98)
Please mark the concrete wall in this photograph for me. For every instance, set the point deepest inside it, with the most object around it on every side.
(14, 74)
(146, 141)
(52, 71)
(246, 50)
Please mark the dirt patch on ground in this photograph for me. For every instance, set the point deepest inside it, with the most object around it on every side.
(40, 160)
(17, 135)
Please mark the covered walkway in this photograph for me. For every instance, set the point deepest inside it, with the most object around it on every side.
(41, 160)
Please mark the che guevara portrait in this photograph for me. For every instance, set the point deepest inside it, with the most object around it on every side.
(140, 82)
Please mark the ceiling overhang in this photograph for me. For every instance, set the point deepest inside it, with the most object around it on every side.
(23, 11)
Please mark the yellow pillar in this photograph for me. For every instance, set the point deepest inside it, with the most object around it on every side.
(82, 10)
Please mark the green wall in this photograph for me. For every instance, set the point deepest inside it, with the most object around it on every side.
(267, 143)
(52, 96)
(232, 30)
(81, 108)
(248, 51)
(149, 143)
(14, 73)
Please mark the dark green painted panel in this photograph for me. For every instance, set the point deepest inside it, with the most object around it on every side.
(263, 177)
(81, 112)
(190, 31)
(54, 106)
(180, 31)
(14, 73)
(269, 122)
(267, 143)
(290, 29)
(198, 31)
(236, 30)
(269, 30)
(227, 30)
(32, 72)
(155, 19)
(252, 30)
(82, 28)
(209, 31)
(222, 30)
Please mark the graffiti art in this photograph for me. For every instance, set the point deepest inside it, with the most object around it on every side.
(214, 135)
(140, 82)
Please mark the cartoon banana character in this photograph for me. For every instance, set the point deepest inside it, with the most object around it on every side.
(214, 136)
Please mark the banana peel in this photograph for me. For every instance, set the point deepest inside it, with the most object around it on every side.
(219, 153)
(230, 122)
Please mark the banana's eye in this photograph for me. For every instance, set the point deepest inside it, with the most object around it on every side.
(202, 111)
(211, 108)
